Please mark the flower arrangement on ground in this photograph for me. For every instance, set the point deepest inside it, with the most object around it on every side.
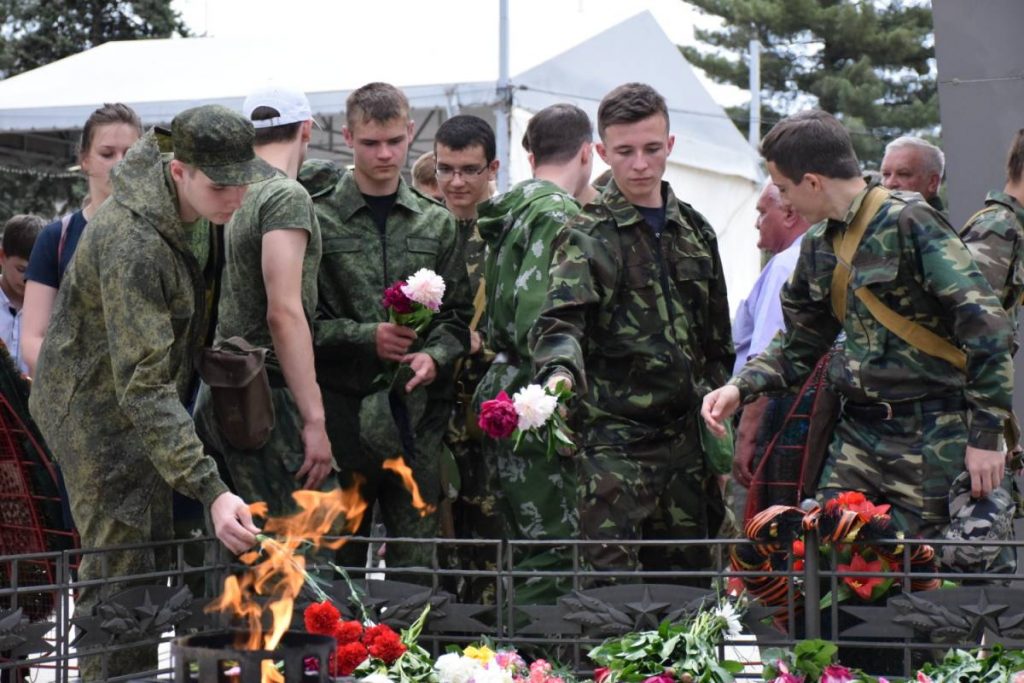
(811, 661)
(532, 412)
(482, 664)
(368, 650)
(851, 527)
(413, 302)
(685, 652)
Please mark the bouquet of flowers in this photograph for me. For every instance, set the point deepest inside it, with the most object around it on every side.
(482, 664)
(849, 526)
(532, 411)
(993, 664)
(413, 302)
(811, 661)
(686, 652)
(370, 650)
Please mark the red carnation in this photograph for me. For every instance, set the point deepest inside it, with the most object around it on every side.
(498, 418)
(321, 618)
(374, 632)
(387, 647)
(347, 657)
(396, 300)
(348, 632)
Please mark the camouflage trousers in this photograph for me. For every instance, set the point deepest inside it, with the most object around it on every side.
(908, 462)
(539, 493)
(383, 487)
(91, 508)
(648, 490)
(267, 473)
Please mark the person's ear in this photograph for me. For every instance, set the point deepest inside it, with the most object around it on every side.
(349, 138)
(307, 131)
(671, 143)
(602, 152)
(492, 169)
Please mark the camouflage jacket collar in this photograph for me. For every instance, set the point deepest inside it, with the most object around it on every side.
(626, 215)
(1007, 200)
(141, 184)
(349, 199)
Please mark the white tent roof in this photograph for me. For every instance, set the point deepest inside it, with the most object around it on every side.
(161, 77)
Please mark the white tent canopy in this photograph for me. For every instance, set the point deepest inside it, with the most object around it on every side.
(712, 165)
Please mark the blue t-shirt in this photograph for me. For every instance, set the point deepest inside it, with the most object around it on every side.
(42, 264)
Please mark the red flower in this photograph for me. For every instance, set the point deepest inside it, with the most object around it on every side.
(387, 647)
(371, 634)
(862, 585)
(348, 632)
(848, 498)
(498, 418)
(601, 674)
(347, 657)
(798, 548)
(867, 510)
(396, 300)
(321, 618)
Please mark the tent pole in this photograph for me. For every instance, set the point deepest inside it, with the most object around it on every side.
(503, 112)
(754, 132)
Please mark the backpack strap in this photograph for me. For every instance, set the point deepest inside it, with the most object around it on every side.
(479, 305)
(912, 333)
(65, 221)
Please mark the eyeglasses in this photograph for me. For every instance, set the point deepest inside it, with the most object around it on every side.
(447, 172)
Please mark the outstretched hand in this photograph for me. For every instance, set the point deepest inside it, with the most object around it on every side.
(719, 406)
(232, 523)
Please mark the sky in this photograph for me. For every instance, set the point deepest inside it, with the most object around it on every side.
(552, 21)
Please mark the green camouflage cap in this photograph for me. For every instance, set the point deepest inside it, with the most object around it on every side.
(976, 519)
(218, 141)
(319, 176)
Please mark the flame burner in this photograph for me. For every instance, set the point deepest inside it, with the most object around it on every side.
(211, 650)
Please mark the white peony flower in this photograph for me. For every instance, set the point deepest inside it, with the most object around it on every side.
(734, 627)
(376, 678)
(534, 406)
(425, 287)
(454, 668)
(492, 674)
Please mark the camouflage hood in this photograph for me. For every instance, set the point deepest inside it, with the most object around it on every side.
(138, 183)
(499, 212)
(319, 176)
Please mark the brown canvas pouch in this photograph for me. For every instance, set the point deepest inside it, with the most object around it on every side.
(236, 373)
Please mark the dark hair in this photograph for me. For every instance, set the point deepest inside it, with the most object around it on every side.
(379, 102)
(283, 133)
(812, 141)
(104, 116)
(466, 130)
(555, 134)
(1015, 160)
(629, 103)
(20, 233)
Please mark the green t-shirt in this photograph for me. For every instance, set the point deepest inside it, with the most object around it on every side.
(278, 203)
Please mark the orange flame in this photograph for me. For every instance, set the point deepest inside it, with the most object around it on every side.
(277, 571)
(398, 466)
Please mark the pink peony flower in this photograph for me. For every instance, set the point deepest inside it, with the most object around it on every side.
(498, 418)
(425, 287)
(601, 674)
(923, 677)
(834, 673)
(660, 678)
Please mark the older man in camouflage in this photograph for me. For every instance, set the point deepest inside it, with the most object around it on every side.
(115, 370)
(520, 228)
(387, 390)
(911, 421)
(637, 322)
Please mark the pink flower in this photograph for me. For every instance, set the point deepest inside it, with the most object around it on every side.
(396, 300)
(834, 673)
(660, 678)
(425, 287)
(601, 674)
(923, 677)
(498, 418)
(788, 678)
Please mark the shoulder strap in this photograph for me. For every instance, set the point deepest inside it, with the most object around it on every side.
(845, 246)
(65, 221)
(479, 305)
(912, 333)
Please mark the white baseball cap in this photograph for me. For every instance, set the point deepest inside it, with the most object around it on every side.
(292, 105)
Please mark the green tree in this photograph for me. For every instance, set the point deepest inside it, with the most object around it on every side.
(37, 32)
(868, 62)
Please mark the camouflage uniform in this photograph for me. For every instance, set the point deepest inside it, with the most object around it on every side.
(358, 263)
(114, 374)
(268, 473)
(642, 325)
(476, 512)
(915, 263)
(520, 228)
(995, 236)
